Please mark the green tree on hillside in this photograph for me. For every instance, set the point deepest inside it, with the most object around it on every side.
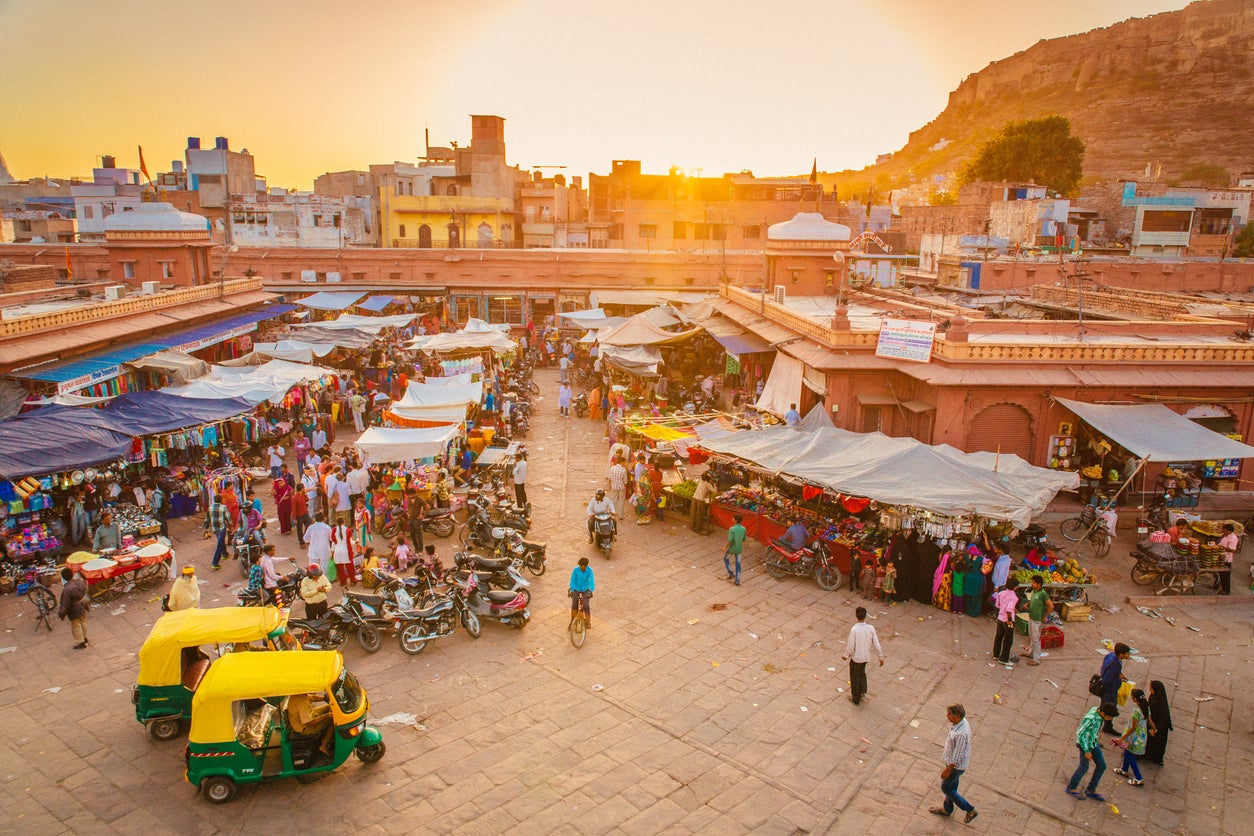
(1243, 245)
(1039, 150)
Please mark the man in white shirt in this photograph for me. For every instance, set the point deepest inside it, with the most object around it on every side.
(564, 366)
(318, 537)
(862, 641)
(342, 502)
(358, 481)
(319, 438)
(520, 479)
(957, 759)
(618, 486)
(598, 505)
(276, 460)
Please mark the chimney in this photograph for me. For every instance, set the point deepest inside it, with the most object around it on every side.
(193, 143)
(220, 143)
(108, 161)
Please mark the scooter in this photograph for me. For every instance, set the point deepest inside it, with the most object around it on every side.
(580, 405)
(417, 627)
(500, 574)
(482, 531)
(286, 592)
(814, 561)
(604, 529)
(439, 521)
(508, 608)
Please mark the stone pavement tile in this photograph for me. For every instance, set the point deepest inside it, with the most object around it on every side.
(605, 816)
(565, 812)
(460, 792)
(610, 783)
(656, 818)
(419, 815)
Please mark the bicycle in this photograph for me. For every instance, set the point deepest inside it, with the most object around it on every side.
(1087, 527)
(44, 599)
(578, 626)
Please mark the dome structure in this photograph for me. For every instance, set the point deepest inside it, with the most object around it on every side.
(155, 217)
(808, 226)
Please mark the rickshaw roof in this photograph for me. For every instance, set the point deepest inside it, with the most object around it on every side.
(159, 662)
(250, 676)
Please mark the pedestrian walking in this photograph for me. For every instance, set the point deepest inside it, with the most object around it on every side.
(1088, 742)
(957, 759)
(1160, 723)
(1229, 543)
(219, 521)
(862, 640)
(276, 454)
(74, 605)
(735, 545)
(1134, 738)
(318, 539)
(300, 512)
(184, 592)
(1007, 601)
(1112, 678)
(563, 399)
(520, 478)
(342, 554)
(1039, 606)
(618, 487)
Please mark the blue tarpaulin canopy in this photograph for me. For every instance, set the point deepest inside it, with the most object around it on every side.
(55, 438)
(375, 303)
(326, 300)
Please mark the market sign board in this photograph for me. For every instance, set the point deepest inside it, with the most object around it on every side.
(904, 339)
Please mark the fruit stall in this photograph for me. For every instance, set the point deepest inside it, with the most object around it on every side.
(1067, 583)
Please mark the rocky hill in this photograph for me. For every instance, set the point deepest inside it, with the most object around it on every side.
(1175, 89)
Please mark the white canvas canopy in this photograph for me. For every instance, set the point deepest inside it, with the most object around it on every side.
(1155, 433)
(638, 330)
(294, 351)
(182, 368)
(267, 382)
(428, 394)
(355, 322)
(381, 445)
(783, 385)
(452, 380)
(439, 414)
(494, 340)
(584, 319)
(642, 360)
(902, 471)
(479, 326)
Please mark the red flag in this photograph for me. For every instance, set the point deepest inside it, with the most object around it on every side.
(814, 171)
(143, 168)
(69, 268)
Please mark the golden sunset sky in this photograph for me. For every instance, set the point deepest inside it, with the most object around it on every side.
(312, 85)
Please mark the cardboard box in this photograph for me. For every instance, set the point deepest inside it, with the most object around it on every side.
(1225, 485)
(1076, 612)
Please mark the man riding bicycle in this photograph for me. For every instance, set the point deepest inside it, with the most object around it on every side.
(599, 505)
(582, 584)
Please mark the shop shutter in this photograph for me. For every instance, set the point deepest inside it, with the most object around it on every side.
(1003, 426)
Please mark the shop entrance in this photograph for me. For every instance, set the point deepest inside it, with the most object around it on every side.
(541, 309)
(1212, 417)
(1004, 427)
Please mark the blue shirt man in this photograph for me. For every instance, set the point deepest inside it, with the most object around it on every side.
(792, 417)
(1001, 570)
(796, 535)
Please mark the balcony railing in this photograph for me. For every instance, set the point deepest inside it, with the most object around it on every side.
(415, 244)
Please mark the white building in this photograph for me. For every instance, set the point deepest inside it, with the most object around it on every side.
(302, 219)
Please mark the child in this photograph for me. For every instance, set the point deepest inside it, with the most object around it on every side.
(890, 581)
(868, 578)
(401, 554)
(1134, 738)
(855, 572)
(369, 562)
(433, 564)
(880, 571)
(958, 583)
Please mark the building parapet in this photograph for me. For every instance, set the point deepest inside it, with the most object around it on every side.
(123, 307)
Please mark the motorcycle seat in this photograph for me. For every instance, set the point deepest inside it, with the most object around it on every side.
(436, 513)
(369, 600)
(499, 596)
(534, 545)
(428, 611)
(492, 563)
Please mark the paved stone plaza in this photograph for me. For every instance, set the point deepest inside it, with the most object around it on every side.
(676, 716)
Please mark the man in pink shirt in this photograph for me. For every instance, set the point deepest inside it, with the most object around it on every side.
(1007, 601)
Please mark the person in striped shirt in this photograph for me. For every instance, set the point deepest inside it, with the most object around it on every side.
(957, 759)
(1090, 746)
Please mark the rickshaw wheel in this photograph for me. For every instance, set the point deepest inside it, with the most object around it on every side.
(218, 788)
(371, 754)
(152, 576)
(166, 729)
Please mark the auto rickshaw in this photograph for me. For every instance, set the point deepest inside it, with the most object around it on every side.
(258, 716)
(176, 655)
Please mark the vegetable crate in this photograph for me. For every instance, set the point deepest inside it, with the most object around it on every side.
(1052, 636)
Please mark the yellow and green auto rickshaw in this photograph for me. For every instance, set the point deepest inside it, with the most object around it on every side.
(257, 716)
(177, 653)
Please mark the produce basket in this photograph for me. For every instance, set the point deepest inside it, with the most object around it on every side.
(1052, 636)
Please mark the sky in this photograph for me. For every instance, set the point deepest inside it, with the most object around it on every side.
(309, 86)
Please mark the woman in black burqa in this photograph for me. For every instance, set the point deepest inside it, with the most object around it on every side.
(1160, 718)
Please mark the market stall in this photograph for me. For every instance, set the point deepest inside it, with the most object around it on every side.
(382, 445)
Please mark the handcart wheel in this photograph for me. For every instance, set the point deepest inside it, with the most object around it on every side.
(152, 576)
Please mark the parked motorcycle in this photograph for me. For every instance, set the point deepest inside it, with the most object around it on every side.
(604, 529)
(417, 627)
(580, 405)
(330, 631)
(529, 552)
(814, 561)
(509, 608)
(485, 532)
(439, 521)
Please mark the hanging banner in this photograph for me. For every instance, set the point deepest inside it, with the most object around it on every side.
(904, 339)
(733, 365)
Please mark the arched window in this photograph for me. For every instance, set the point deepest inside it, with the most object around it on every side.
(485, 234)
(454, 236)
(402, 230)
(451, 190)
(424, 237)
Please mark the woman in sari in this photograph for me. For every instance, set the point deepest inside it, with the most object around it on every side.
(644, 502)
(283, 505)
(594, 404)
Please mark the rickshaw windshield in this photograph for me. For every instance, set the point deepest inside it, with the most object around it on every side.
(347, 692)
